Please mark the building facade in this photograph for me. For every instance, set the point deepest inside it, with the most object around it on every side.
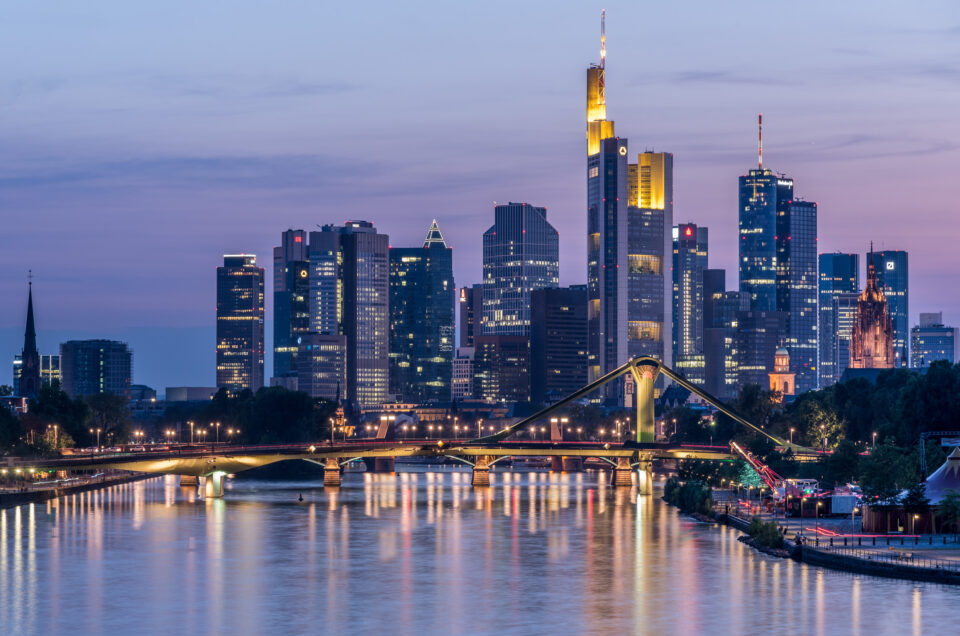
(558, 342)
(839, 273)
(291, 284)
(462, 382)
(721, 308)
(893, 281)
(422, 320)
(758, 338)
(843, 317)
(240, 302)
(471, 314)
(689, 263)
(322, 365)
(797, 286)
(96, 366)
(931, 341)
(501, 369)
(49, 370)
(521, 253)
(349, 296)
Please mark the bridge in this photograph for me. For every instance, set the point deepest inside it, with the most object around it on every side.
(625, 458)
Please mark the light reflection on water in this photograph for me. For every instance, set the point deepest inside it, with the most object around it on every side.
(418, 553)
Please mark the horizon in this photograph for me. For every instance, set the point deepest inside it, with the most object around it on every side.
(183, 149)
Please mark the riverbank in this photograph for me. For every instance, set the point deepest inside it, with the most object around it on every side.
(11, 499)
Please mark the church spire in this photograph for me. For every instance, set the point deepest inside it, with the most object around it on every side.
(29, 382)
(30, 334)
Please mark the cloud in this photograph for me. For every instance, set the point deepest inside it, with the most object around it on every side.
(724, 77)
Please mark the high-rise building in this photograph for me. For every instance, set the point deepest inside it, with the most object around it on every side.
(650, 283)
(322, 365)
(720, 310)
(797, 287)
(96, 366)
(349, 296)
(28, 384)
(871, 344)
(49, 370)
(521, 252)
(558, 342)
(892, 279)
(758, 338)
(422, 320)
(501, 369)
(291, 285)
(471, 314)
(689, 263)
(932, 341)
(839, 274)
(240, 334)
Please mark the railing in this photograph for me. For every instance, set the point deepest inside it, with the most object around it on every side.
(908, 559)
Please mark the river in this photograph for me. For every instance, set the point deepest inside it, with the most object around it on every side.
(419, 553)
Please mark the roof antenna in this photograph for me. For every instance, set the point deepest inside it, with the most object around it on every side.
(760, 139)
(603, 38)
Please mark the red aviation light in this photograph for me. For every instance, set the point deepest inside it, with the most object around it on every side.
(688, 231)
(298, 239)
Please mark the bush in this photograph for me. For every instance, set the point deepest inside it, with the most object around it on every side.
(691, 496)
(765, 533)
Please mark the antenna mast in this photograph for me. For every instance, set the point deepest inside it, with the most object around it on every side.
(603, 38)
(760, 139)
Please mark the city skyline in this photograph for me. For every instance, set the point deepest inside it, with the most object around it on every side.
(163, 208)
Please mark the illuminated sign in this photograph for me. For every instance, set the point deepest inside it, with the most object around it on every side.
(890, 266)
(623, 150)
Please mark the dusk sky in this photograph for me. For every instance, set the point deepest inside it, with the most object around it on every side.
(140, 143)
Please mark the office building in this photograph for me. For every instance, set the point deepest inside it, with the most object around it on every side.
(501, 369)
(49, 370)
(291, 286)
(839, 274)
(521, 253)
(462, 383)
(689, 263)
(558, 342)
(931, 341)
(843, 316)
(422, 320)
(471, 314)
(240, 346)
(322, 365)
(96, 366)
(893, 281)
(349, 296)
(757, 340)
(720, 310)
(872, 340)
(797, 287)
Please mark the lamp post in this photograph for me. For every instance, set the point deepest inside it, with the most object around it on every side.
(817, 512)
(480, 427)
(191, 431)
(874, 440)
(97, 431)
(217, 424)
(791, 434)
(802, 499)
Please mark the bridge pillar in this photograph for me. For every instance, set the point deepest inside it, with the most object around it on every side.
(572, 464)
(214, 484)
(645, 477)
(481, 471)
(189, 481)
(331, 472)
(380, 464)
(644, 376)
(623, 473)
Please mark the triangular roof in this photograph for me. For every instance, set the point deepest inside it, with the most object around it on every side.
(434, 237)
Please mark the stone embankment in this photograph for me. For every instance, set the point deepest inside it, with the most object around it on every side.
(10, 499)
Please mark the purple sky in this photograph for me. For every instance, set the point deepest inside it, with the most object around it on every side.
(138, 144)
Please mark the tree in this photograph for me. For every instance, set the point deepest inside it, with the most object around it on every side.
(109, 413)
(885, 473)
(949, 511)
(843, 464)
(10, 430)
(5, 390)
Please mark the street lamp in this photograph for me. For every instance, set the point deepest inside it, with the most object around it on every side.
(191, 431)
(480, 427)
(914, 530)
(874, 439)
(217, 424)
(802, 500)
(98, 436)
(791, 434)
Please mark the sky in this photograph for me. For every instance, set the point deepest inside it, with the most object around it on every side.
(139, 142)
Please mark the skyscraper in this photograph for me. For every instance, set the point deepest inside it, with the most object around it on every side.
(839, 274)
(871, 344)
(521, 252)
(501, 369)
(757, 340)
(650, 321)
(689, 263)
(797, 287)
(29, 381)
(932, 341)
(349, 296)
(558, 342)
(240, 323)
(322, 365)
(892, 279)
(720, 311)
(422, 320)
(291, 280)
(96, 366)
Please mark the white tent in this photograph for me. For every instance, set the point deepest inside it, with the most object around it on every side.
(945, 478)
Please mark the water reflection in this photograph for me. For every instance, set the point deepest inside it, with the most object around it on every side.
(416, 552)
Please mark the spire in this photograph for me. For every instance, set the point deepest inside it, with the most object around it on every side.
(603, 38)
(434, 237)
(30, 334)
(760, 139)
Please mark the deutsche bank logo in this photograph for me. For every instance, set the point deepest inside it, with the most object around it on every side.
(890, 265)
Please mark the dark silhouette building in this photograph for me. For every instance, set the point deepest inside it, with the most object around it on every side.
(471, 314)
(501, 369)
(96, 366)
(558, 342)
(291, 292)
(29, 384)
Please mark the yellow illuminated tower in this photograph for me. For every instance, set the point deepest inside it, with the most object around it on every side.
(598, 127)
